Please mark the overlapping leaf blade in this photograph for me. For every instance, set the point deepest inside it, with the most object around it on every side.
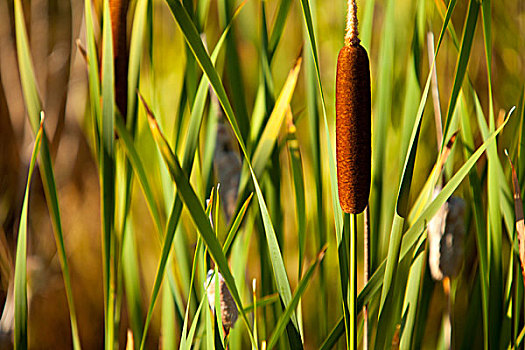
(34, 107)
(20, 289)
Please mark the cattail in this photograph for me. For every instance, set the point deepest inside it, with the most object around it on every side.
(446, 233)
(229, 312)
(118, 10)
(353, 126)
(227, 164)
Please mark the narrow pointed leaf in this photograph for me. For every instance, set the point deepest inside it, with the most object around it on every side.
(285, 317)
(191, 35)
(235, 226)
(20, 292)
(33, 104)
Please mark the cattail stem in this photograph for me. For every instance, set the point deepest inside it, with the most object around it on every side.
(352, 343)
(366, 258)
(351, 37)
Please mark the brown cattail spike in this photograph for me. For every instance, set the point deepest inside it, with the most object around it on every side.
(118, 10)
(229, 312)
(353, 127)
(446, 231)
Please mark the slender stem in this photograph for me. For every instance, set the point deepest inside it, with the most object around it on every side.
(366, 257)
(353, 282)
(344, 258)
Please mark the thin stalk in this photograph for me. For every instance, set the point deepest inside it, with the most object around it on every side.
(352, 344)
(366, 257)
(344, 264)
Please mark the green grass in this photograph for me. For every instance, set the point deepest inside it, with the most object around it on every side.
(244, 92)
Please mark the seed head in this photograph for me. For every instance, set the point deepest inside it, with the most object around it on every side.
(229, 312)
(353, 128)
(446, 233)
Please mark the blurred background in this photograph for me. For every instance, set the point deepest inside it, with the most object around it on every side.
(53, 29)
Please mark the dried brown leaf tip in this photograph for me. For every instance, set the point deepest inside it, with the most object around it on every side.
(353, 120)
